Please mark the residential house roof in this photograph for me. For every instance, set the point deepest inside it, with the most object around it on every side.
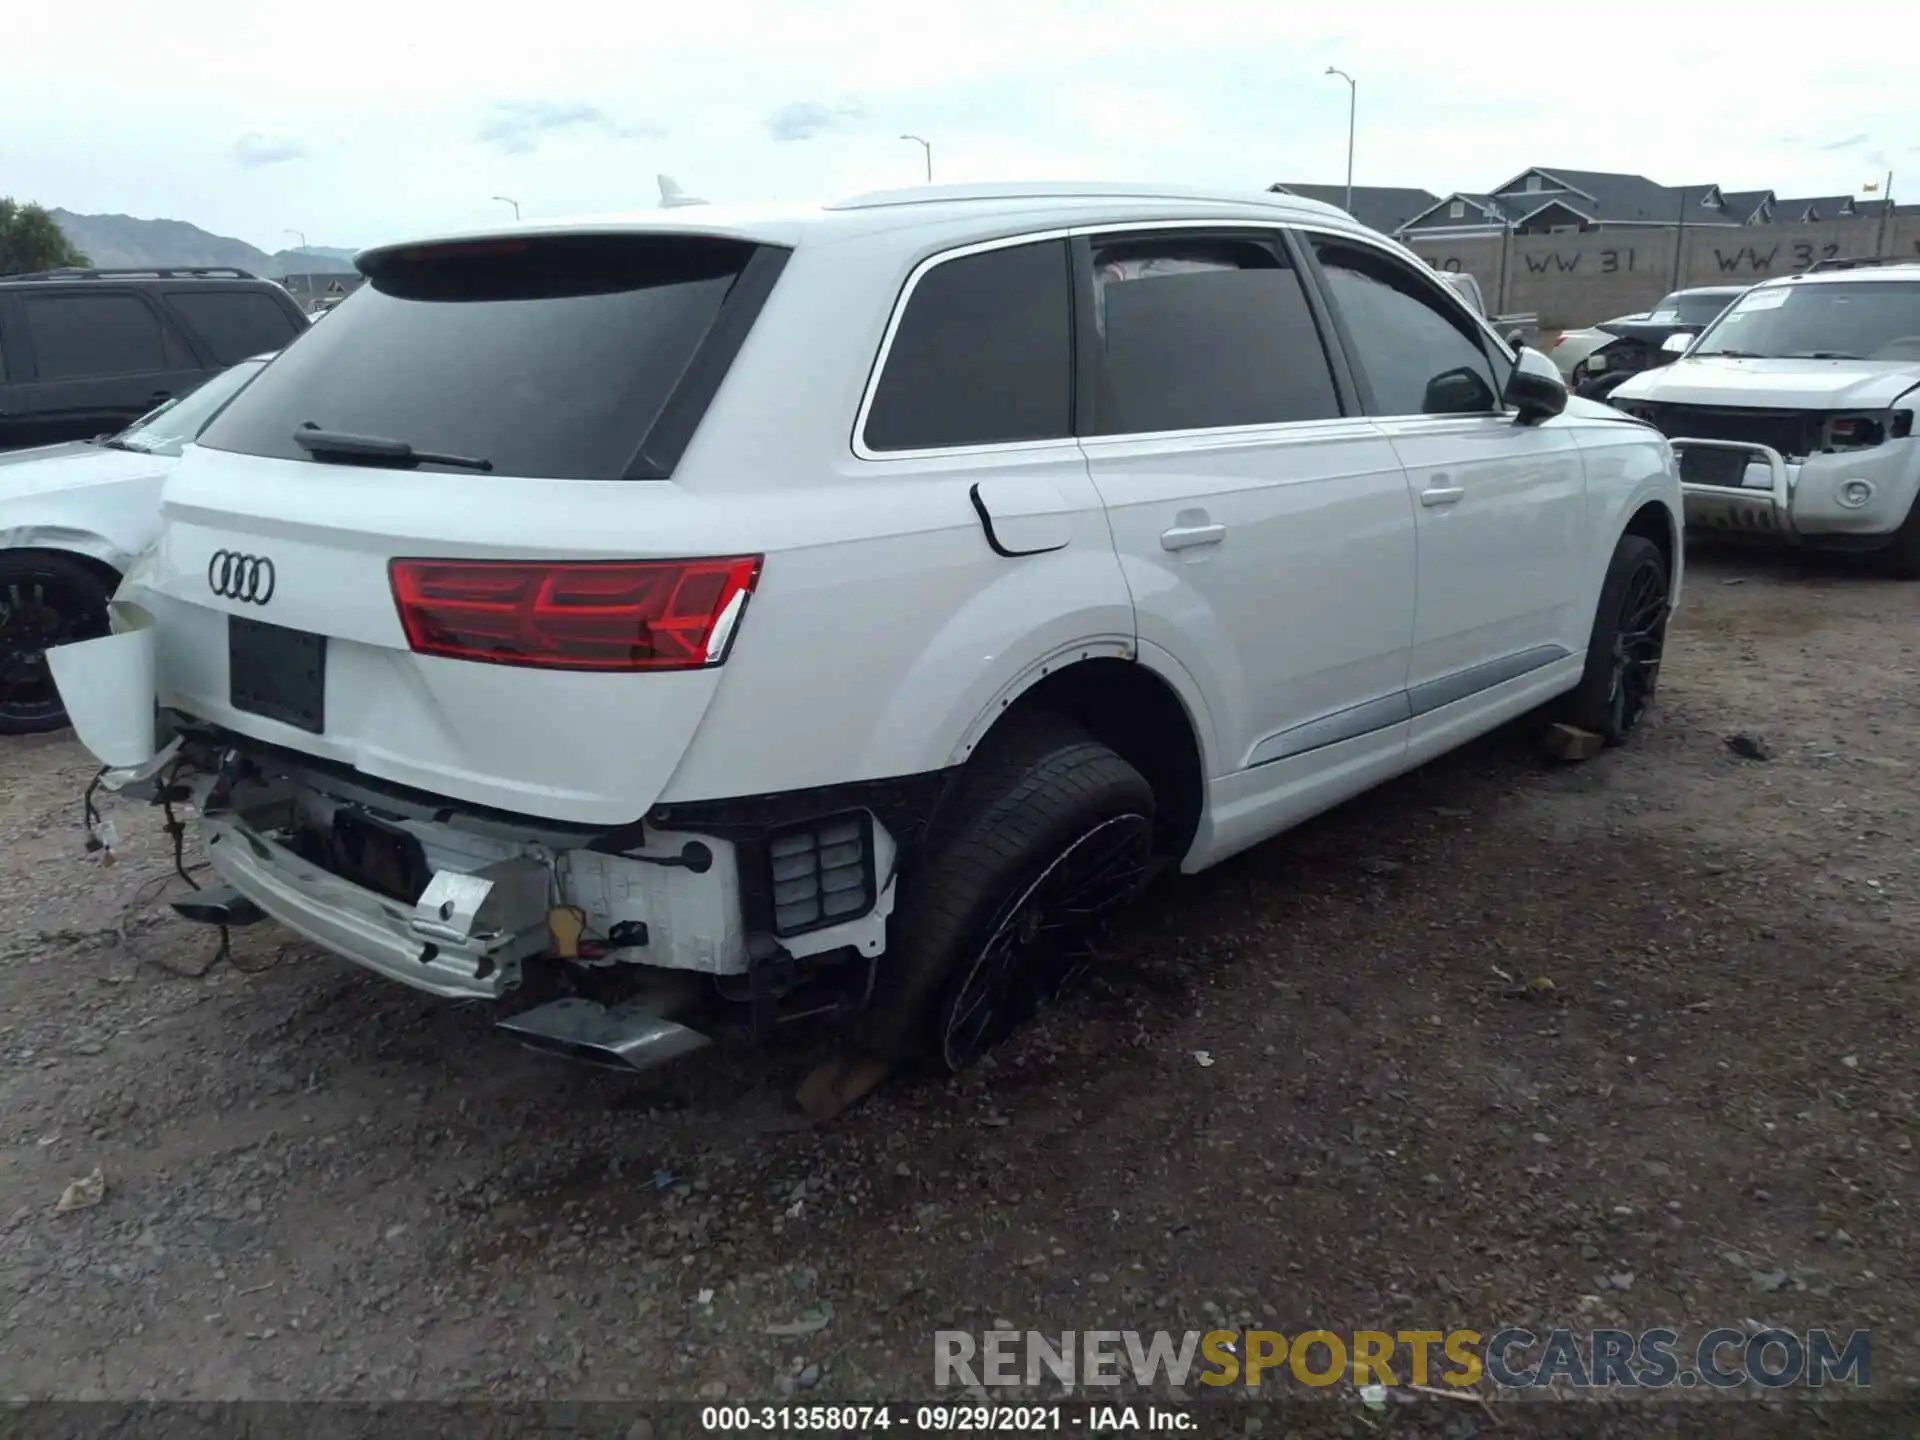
(1379, 207)
(1609, 197)
(1796, 210)
(1477, 212)
(1743, 207)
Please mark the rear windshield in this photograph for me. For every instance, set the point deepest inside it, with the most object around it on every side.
(548, 357)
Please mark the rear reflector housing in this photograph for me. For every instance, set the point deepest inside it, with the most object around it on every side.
(822, 873)
(612, 615)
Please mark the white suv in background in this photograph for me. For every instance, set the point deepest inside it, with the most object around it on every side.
(1793, 413)
(846, 607)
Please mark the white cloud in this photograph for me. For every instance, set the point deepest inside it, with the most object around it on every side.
(416, 121)
(810, 119)
(256, 149)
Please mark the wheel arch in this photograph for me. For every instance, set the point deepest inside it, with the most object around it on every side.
(1632, 489)
(94, 550)
(1654, 520)
(1135, 710)
(98, 555)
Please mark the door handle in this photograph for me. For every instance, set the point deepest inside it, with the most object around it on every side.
(1438, 495)
(1187, 537)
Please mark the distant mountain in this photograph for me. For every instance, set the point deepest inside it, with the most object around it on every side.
(122, 240)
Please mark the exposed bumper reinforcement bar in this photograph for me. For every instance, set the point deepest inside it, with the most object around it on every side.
(444, 953)
(1746, 508)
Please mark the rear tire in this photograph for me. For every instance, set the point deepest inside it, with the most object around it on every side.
(1629, 638)
(1049, 833)
(46, 599)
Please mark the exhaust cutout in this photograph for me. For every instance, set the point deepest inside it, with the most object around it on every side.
(634, 1036)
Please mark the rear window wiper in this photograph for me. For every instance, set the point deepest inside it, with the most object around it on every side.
(398, 453)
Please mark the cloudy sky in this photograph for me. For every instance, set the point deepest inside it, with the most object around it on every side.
(369, 122)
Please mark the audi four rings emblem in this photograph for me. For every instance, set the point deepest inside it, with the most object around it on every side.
(233, 576)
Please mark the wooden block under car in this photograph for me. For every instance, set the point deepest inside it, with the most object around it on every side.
(1570, 742)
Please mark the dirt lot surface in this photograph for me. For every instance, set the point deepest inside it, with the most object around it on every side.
(1311, 1088)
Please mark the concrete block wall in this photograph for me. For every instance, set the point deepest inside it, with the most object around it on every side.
(1571, 280)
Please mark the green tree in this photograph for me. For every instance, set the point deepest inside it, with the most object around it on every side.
(31, 239)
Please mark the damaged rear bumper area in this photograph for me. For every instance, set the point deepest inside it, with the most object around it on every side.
(618, 943)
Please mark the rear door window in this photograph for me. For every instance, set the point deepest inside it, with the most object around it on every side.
(983, 354)
(551, 358)
(80, 337)
(234, 324)
(1198, 333)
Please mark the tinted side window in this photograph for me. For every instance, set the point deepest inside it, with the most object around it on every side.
(1420, 358)
(80, 336)
(1196, 333)
(234, 325)
(982, 356)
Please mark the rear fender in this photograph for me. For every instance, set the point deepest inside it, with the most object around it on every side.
(1007, 637)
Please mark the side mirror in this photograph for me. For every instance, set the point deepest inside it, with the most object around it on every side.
(1535, 388)
(1457, 392)
(1516, 337)
(1678, 344)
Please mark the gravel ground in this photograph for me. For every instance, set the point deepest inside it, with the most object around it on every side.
(1311, 1088)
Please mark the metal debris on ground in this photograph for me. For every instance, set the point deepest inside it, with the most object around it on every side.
(84, 1193)
(1749, 747)
(807, 1322)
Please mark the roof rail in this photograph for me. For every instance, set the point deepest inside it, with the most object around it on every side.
(1856, 262)
(156, 272)
(1078, 190)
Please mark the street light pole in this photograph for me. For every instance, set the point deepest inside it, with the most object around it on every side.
(1353, 105)
(509, 200)
(301, 236)
(926, 147)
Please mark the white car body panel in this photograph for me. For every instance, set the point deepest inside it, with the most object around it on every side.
(1573, 346)
(1314, 520)
(1781, 384)
(82, 498)
(1500, 551)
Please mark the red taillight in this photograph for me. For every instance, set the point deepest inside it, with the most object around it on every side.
(575, 614)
